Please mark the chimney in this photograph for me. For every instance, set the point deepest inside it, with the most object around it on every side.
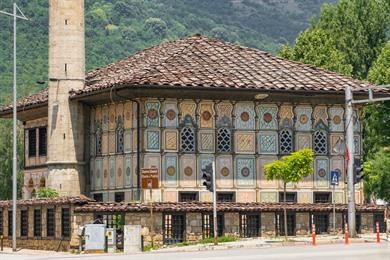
(65, 117)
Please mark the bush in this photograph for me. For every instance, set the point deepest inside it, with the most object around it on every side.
(46, 193)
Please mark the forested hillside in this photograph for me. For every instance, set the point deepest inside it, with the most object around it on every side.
(118, 28)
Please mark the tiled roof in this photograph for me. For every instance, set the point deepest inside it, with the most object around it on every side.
(78, 200)
(201, 62)
(36, 99)
(222, 207)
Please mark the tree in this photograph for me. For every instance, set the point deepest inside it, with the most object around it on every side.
(46, 193)
(291, 168)
(377, 175)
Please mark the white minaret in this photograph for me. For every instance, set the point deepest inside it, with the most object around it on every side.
(66, 118)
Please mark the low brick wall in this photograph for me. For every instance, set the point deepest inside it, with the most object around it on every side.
(40, 244)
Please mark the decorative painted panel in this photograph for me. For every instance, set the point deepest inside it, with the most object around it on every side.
(188, 171)
(206, 114)
(320, 115)
(206, 141)
(111, 117)
(356, 121)
(170, 140)
(92, 174)
(268, 196)
(303, 114)
(105, 172)
(170, 170)
(92, 120)
(245, 116)
(224, 171)
(111, 176)
(128, 115)
(337, 144)
(128, 171)
(111, 142)
(286, 116)
(105, 119)
(336, 119)
(134, 179)
(128, 140)
(268, 117)
(105, 143)
(203, 160)
(98, 173)
(337, 164)
(356, 144)
(268, 142)
(262, 180)
(119, 172)
(303, 140)
(152, 140)
(92, 145)
(170, 114)
(152, 114)
(187, 108)
(245, 142)
(321, 172)
(120, 137)
(98, 117)
(224, 110)
(245, 171)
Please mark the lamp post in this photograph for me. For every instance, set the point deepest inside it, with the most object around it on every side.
(14, 159)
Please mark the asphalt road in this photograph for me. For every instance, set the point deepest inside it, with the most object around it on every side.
(336, 252)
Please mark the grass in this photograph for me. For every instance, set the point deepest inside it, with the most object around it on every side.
(149, 248)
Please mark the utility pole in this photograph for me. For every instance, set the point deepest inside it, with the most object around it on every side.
(350, 150)
(215, 206)
(15, 158)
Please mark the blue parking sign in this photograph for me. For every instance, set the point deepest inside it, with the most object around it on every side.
(334, 177)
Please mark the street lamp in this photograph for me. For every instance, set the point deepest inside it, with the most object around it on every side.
(15, 15)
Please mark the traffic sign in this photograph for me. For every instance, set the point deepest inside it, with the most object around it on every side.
(334, 177)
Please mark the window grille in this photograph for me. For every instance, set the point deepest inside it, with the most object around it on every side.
(187, 136)
(98, 142)
(379, 217)
(9, 223)
(320, 142)
(174, 228)
(208, 225)
(23, 223)
(188, 196)
(42, 141)
(119, 196)
(224, 140)
(250, 225)
(291, 223)
(65, 222)
(321, 220)
(286, 141)
(50, 223)
(226, 197)
(37, 223)
(113, 220)
(322, 197)
(32, 143)
(290, 197)
(1, 224)
(120, 136)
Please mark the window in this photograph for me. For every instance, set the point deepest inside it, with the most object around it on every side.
(185, 196)
(32, 143)
(10, 223)
(291, 223)
(321, 220)
(224, 140)
(24, 223)
(286, 141)
(322, 197)
(290, 197)
(379, 217)
(42, 141)
(65, 222)
(50, 223)
(250, 225)
(174, 228)
(98, 197)
(119, 136)
(187, 137)
(37, 223)
(119, 196)
(226, 197)
(1, 224)
(320, 142)
(208, 225)
(98, 142)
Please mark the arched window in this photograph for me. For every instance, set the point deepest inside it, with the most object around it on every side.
(119, 136)
(187, 137)
(285, 141)
(42, 182)
(98, 138)
(224, 140)
(320, 142)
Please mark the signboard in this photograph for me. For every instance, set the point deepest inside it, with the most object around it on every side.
(334, 177)
(149, 178)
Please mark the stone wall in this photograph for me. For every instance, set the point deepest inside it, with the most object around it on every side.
(268, 224)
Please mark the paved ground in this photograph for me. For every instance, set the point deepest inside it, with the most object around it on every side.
(359, 251)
